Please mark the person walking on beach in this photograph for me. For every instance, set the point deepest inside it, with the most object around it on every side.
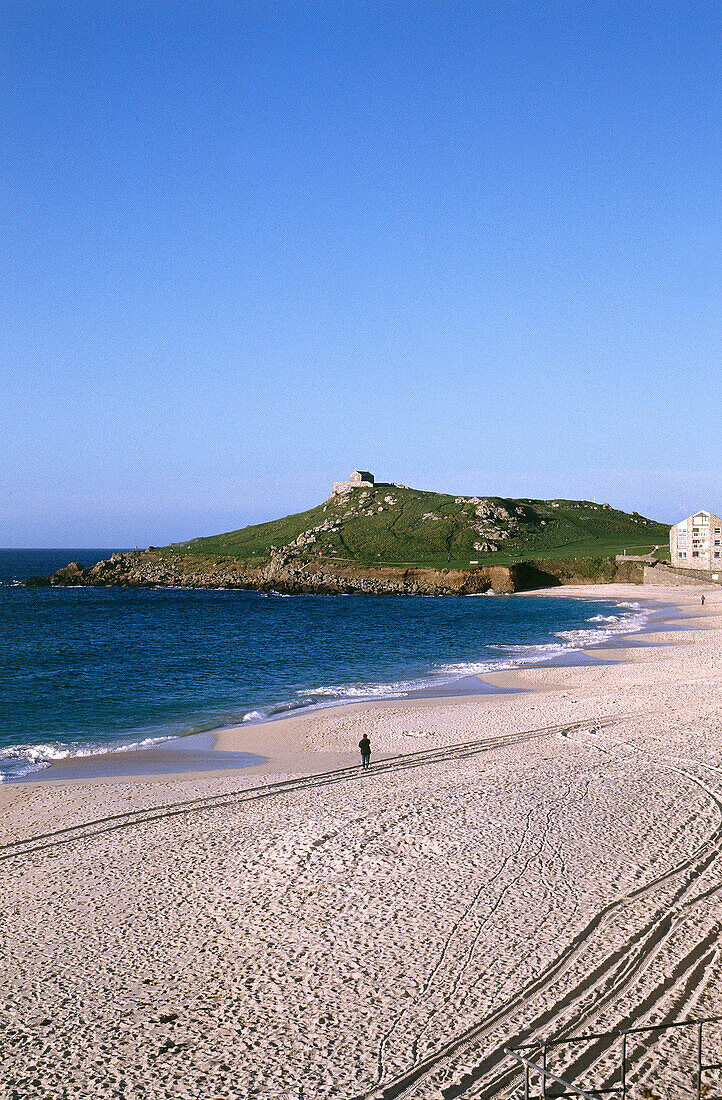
(703, 600)
(365, 746)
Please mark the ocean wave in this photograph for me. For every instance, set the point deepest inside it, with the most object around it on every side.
(317, 698)
(582, 637)
(278, 710)
(528, 655)
(569, 642)
(17, 761)
(511, 656)
(360, 691)
(609, 620)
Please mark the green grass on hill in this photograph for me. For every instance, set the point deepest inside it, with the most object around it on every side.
(400, 526)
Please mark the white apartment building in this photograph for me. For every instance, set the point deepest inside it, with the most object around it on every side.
(696, 542)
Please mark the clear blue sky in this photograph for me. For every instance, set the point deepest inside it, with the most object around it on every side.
(248, 246)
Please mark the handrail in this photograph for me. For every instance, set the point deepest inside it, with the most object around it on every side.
(624, 1034)
(615, 1034)
(547, 1073)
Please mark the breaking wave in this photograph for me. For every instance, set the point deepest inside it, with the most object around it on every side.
(631, 619)
(94, 671)
(18, 761)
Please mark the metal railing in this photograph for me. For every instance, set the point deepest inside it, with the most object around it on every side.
(623, 1036)
(545, 1075)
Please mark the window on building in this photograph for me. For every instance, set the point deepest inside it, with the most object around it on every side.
(716, 553)
(695, 553)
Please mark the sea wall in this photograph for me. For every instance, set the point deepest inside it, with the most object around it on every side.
(676, 578)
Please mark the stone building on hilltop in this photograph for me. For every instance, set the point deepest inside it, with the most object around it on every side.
(696, 542)
(359, 479)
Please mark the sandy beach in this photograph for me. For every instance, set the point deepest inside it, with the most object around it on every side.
(531, 864)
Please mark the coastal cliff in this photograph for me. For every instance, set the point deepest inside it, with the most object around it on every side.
(155, 568)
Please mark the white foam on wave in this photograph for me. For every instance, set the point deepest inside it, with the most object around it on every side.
(17, 761)
(489, 592)
(325, 695)
(528, 655)
(515, 656)
(570, 641)
(361, 691)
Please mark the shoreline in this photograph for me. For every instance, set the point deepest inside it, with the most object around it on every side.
(534, 863)
(248, 748)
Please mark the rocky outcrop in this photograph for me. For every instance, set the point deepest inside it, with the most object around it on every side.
(284, 573)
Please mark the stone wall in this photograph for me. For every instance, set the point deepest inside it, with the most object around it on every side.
(676, 578)
(346, 486)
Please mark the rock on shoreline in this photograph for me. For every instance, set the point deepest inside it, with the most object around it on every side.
(152, 569)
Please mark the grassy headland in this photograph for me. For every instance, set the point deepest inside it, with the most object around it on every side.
(394, 525)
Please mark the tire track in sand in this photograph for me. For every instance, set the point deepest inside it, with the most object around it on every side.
(47, 841)
(489, 1073)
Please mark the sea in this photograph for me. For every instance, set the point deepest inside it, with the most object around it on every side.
(85, 671)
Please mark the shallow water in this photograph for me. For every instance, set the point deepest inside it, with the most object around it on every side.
(86, 670)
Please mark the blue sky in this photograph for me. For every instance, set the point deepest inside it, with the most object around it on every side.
(249, 246)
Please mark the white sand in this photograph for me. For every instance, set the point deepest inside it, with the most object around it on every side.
(385, 933)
